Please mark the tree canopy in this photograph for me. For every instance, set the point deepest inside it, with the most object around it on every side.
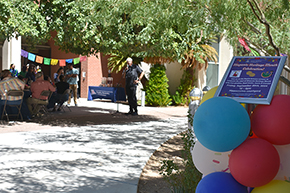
(172, 29)
(141, 28)
(22, 18)
(264, 24)
(150, 28)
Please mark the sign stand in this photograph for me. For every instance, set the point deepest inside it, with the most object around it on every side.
(117, 107)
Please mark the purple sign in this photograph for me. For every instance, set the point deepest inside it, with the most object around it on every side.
(252, 79)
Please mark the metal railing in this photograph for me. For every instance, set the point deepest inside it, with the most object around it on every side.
(283, 78)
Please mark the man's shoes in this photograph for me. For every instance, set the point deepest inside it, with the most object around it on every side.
(129, 113)
(76, 105)
(135, 113)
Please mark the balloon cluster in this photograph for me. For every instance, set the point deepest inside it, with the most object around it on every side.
(232, 160)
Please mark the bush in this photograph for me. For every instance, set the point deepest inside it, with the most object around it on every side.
(181, 96)
(157, 87)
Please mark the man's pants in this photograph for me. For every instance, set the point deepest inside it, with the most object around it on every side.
(61, 98)
(74, 88)
(36, 103)
(131, 94)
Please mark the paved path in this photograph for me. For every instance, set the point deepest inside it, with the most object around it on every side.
(84, 157)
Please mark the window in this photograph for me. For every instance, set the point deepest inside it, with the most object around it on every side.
(213, 68)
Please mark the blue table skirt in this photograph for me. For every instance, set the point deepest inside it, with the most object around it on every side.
(13, 110)
(112, 93)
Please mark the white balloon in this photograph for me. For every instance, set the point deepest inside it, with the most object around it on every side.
(284, 170)
(208, 161)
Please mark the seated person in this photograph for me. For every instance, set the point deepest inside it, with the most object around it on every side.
(36, 88)
(30, 75)
(61, 87)
(9, 83)
(23, 71)
(14, 72)
(49, 80)
(24, 80)
(56, 75)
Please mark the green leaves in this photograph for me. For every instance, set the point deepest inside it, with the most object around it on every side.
(21, 18)
(145, 28)
(152, 28)
(237, 19)
(157, 87)
(181, 96)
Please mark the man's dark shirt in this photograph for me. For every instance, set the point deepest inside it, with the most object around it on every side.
(30, 76)
(132, 74)
(61, 87)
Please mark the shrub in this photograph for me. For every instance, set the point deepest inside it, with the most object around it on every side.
(181, 96)
(157, 87)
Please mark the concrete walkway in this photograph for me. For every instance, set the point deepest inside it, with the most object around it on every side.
(92, 149)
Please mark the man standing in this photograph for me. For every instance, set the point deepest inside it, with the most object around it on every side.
(132, 80)
(36, 88)
(72, 79)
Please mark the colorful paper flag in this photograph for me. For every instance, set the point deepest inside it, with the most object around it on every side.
(61, 62)
(31, 57)
(255, 53)
(69, 60)
(83, 58)
(54, 62)
(46, 61)
(39, 59)
(76, 60)
(49, 61)
(244, 44)
(24, 53)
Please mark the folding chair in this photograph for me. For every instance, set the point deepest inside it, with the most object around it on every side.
(29, 82)
(37, 107)
(61, 99)
(13, 103)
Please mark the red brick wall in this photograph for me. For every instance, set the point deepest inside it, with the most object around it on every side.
(117, 77)
(58, 54)
(95, 67)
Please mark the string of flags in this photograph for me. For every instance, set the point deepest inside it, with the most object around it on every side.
(50, 61)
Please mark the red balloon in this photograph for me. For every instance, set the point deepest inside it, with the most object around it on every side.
(254, 163)
(271, 122)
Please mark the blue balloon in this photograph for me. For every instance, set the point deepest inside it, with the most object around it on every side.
(220, 182)
(221, 124)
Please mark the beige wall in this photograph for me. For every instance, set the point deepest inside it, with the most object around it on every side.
(174, 74)
(225, 55)
(11, 53)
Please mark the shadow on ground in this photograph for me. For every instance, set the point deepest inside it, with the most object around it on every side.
(36, 175)
(91, 150)
(88, 159)
(85, 116)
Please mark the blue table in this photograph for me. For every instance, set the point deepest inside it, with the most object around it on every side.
(112, 93)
